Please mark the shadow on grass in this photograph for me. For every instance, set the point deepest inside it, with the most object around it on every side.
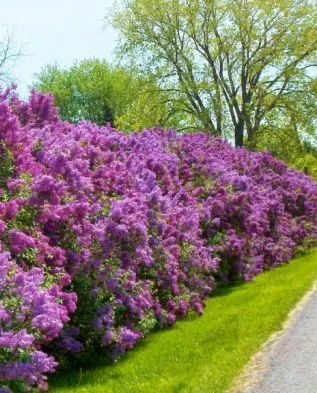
(98, 368)
(224, 289)
(82, 374)
(78, 374)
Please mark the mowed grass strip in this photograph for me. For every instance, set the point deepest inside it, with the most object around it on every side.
(202, 354)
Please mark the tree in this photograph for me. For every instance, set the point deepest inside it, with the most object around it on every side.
(10, 51)
(229, 64)
(286, 144)
(97, 91)
(84, 91)
(291, 132)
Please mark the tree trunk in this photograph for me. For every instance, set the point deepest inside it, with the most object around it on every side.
(238, 134)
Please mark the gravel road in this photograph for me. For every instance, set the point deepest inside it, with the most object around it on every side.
(288, 363)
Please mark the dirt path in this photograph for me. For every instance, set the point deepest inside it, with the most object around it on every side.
(288, 361)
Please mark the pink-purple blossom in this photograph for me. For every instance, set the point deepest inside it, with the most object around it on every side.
(106, 236)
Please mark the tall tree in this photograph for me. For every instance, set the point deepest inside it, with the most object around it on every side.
(83, 91)
(100, 92)
(229, 64)
(291, 133)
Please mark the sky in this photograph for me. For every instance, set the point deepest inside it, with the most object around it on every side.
(56, 31)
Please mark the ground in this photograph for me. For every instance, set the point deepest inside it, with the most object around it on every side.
(288, 361)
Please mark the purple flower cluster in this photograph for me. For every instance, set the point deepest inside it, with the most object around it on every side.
(32, 312)
(106, 236)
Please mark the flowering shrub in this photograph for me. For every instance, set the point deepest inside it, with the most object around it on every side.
(106, 236)
(32, 312)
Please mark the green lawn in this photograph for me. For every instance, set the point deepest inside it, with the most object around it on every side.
(202, 354)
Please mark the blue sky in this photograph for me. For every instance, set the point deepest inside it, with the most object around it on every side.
(58, 30)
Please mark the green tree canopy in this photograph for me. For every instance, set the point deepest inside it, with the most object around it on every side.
(290, 132)
(230, 65)
(97, 91)
(86, 90)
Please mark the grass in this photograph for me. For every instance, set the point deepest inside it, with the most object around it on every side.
(202, 354)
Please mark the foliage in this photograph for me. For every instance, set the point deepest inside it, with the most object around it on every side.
(136, 227)
(286, 144)
(291, 135)
(308, 164)
(232, 65)
(97, 91)
(84, 91)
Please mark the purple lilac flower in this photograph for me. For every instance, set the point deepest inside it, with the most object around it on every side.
(139, 224)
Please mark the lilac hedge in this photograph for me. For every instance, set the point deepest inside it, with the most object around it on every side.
(106, 236)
